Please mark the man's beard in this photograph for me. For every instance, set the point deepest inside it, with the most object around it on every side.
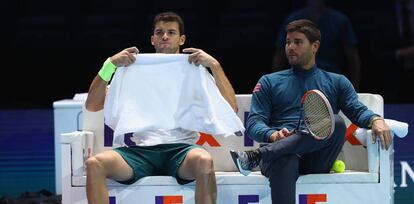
(297, 62)
(300, 61)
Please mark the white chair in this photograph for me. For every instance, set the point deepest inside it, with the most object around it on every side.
(368, 178)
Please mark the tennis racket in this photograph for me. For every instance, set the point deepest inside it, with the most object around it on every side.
(317, 115)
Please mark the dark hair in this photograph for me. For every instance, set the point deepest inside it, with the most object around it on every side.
(169, 17)
(306, 27)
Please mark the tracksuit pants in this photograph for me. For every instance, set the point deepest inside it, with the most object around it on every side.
(284, 160)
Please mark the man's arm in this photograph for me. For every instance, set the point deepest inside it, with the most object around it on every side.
(97, 89)
(359, 114)
(199, 57)
(350, 105)
(224, 85)
(96, 94)
(260, 113)
(354, 63)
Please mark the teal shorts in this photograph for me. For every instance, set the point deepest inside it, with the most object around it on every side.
(158, 160)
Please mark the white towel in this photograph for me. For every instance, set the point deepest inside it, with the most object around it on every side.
(400, 129)
(164, 91)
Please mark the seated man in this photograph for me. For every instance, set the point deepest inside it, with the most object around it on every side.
(276, 108)
(187, 161)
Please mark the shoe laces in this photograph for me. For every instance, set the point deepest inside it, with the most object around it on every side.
(253, 159)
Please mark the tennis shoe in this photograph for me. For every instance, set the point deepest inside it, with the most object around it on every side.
(245, 161)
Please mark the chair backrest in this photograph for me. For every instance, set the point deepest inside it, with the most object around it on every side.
(354, 155)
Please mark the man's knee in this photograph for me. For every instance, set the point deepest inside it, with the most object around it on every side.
(199, 162)
(204, 163)
(94, 165)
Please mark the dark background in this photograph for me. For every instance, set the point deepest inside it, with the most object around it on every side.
(52, 49)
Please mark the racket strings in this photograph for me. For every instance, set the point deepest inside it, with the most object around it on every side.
(317, 116)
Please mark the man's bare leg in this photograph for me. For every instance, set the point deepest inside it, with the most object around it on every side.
(198, 165)
(107, 164)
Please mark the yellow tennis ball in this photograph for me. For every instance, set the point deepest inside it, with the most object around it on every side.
(338, 166)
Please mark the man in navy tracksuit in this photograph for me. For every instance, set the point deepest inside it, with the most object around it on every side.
(275, 112)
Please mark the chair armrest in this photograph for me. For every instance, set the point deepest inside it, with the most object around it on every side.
(81, 143)
(374, 152)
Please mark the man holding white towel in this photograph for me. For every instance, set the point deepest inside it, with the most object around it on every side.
(181, 159)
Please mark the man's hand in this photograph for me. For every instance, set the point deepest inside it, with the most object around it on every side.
(278, 135)
(381, 129)
(198, 56)
(125, 57)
